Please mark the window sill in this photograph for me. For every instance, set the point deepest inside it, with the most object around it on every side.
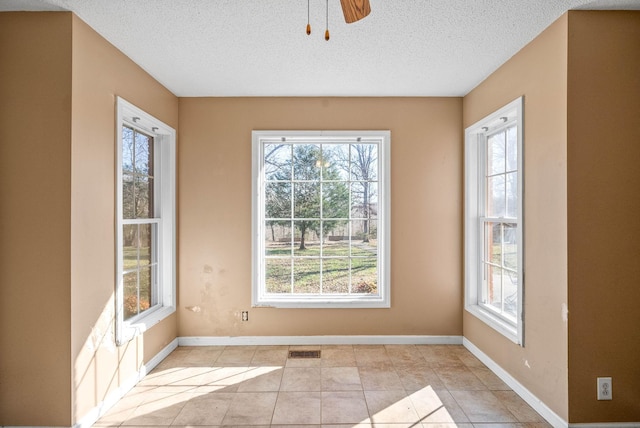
(132, 329)
(324, 303)
(503, 327)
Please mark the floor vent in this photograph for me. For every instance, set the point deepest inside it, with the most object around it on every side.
(304, 354)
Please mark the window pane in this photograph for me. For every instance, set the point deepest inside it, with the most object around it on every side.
(146, 289)
(335, 162)
(364, 162)
(306, 276)
(494, 286)
(359, 231)
(143, 197)
(364, 200)
(372, 243)
(307, 200)
(335, 200)
(337, 244)
(335, 275)
(307, 241)
(277, 161)
(127, 150)
(496, 153)
(277, 200)
(512, 195)
(144, 244)
(511, 246)
(493, 243)
(510, 284)
(278, 238)
(130, 282)
(332, 228)
(364, 275)
(364, 238)
(130, 247)
(278, 275)
(495, 196)
(143, 154)
(306, 162)
(512, 148)
(371, 199)
(128, 196)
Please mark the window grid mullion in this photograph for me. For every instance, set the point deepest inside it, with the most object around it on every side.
(321, 216)
(502, 309)
(292, 231)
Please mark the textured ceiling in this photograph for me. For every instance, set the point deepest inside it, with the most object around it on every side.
(260, 48)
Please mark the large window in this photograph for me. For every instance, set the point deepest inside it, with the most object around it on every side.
(493, 220)
(321, 219)
(145, 237)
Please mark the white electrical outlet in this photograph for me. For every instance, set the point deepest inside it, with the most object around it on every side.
(604, 388)
(245, 315)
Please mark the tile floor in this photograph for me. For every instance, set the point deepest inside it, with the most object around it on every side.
(392, 386)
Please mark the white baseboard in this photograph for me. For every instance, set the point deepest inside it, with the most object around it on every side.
(98, 411)
(317, 340)
(551, 417)
(606, 425)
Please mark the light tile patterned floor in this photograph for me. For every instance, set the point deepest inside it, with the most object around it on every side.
(392, 386)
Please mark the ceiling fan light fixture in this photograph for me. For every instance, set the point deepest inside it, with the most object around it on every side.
(353, 10)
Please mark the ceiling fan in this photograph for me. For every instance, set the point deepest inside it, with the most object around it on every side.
(353, 10)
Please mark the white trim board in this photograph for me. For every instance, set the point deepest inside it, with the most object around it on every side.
(554, 419)
(317, 340)
(98, 411)
(606, 425)
(551, 417)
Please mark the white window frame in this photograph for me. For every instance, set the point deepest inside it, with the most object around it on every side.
(475, 196)
(259, 296)
(165, 196)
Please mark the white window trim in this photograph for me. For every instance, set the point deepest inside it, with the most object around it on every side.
(165, 152)
(474, 193)
(258, 296)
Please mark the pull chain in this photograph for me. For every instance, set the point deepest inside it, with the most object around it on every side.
(308, 20)
(326, 33)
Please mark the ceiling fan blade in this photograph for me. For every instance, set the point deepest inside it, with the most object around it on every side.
(355, 10)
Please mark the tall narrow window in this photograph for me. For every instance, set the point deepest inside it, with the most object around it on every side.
(321, 219)
(139, 224)
(145, 287)
(493, 220)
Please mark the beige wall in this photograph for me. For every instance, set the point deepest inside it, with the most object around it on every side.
(35, 184)
(57, 98)
(603, 208)
(57, 146)
(100, 73)
(539, 72)
(215, 214)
